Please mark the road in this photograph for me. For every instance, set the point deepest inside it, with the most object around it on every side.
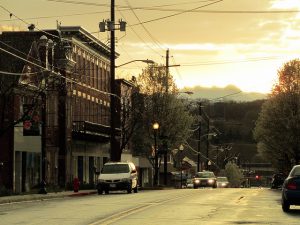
(176, 206)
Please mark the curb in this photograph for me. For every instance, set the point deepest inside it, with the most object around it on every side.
(77, 194)
(52, 195)
(42, 197)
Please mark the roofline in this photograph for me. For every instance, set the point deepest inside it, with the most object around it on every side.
(122, 80)
(85, 33)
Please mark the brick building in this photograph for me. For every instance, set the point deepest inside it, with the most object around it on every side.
(60, 79)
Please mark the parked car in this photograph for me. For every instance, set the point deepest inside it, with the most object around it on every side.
(291, 189)
(277, 180)
(205, 179)
(118, 176)
(222, 182)
(189, 183)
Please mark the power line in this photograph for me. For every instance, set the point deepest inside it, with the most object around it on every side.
(176, 68)
(165, 10)
(58, 74)
(126, 7)
(152, 20)
(208, 63)
(149, 46)
(12, 14)
(160, 8)
(179, 13)
(57, 16)
(235, 93)
(156, 42)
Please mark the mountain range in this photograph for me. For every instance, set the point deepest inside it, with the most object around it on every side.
(228, 93)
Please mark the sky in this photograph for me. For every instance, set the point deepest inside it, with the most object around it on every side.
(215, 43)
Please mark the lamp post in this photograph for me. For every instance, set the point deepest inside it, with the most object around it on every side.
(199, 144)
(181, 150)
(208, 165)
(148, 61)
(199, 137)
(208, 162)
(45, 46)
(155, 128)
(115, 153)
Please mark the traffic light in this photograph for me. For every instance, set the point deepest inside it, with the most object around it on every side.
(257, 177)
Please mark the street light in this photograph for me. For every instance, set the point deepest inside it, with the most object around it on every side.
(208, 164)
(181, 150)
(149, 61)
(155, 128)
(115, 152)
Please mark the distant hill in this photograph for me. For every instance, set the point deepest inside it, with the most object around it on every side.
(228, 93)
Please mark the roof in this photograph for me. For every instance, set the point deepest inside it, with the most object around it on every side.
(86, 37)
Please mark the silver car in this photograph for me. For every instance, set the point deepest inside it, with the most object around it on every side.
(222, 182)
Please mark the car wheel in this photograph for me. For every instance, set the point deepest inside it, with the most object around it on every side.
(215, 186)
(285, 206)
(100, 191)
(106, 192)
(129, 190)
(195, 187)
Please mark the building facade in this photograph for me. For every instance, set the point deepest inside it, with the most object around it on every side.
(60, 80)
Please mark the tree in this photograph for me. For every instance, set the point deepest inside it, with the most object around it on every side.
(277, 129)
(157, 104)
(153, 79)
(234, 174)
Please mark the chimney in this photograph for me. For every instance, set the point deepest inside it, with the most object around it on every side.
(31, 27)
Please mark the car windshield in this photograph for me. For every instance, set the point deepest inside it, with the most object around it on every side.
(222, 179)
(296, 171)
(205, 174)
(115, 168)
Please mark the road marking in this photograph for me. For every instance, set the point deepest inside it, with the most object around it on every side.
(113, 218)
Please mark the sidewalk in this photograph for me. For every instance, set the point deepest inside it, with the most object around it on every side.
(62, 194)
(41, 197)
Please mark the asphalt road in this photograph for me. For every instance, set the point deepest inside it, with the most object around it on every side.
(176, 206)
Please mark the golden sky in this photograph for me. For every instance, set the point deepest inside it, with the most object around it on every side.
(239, 42)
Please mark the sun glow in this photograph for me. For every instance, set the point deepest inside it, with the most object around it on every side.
(285, 4)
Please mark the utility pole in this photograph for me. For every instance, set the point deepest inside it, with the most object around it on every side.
(207, 145)
(199, 137)
(43, 145)
(167, 71)
(167, 91)
(114, 148)
(166, 145)
(115, 151)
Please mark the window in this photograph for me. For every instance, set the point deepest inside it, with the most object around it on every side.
(115, 168)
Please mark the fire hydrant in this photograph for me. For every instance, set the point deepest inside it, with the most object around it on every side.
(76, 184)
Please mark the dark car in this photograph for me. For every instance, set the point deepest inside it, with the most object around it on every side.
(291, 189)
(277, 180)
(205, 179)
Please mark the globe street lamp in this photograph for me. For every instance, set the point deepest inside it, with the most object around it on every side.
(155, 127)
(208, 164)
(181, 150)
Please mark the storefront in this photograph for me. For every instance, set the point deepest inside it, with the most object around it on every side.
(27, 154)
